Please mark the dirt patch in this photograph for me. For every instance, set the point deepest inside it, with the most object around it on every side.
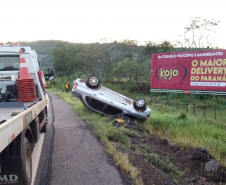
(149, 173)
(162, 163)
(129, 124)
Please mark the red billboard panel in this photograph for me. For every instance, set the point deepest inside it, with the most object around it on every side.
(196, 70)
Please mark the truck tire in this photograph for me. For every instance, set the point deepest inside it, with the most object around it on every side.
(27, 162)
(44, 129)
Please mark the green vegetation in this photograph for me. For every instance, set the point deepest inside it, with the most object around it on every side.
(121, 67)
(110, 61)
(188, 130)
(181, 126)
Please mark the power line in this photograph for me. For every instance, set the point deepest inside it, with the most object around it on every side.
(92, 50)
(98, 50)
(103, 51)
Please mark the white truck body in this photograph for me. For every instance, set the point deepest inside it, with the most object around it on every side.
(26, 125)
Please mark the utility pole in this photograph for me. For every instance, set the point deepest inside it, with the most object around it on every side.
(84, 64)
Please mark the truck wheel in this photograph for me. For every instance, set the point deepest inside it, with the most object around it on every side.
(27, 162)
(44, 129)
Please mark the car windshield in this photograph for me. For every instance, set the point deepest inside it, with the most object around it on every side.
(9, 63)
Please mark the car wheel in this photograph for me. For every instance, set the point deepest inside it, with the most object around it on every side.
(93, 82)
(140, 103)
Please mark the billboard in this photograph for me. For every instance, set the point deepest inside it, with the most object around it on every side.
(196, 70)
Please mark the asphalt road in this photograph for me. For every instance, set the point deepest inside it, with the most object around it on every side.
(71, 155)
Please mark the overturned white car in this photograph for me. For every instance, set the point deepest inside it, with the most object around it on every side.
(105, 101)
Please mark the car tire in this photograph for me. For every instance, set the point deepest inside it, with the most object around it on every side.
(93, 82)
(27, 162)
(140, 103)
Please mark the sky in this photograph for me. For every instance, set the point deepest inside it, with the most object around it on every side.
(87, 21)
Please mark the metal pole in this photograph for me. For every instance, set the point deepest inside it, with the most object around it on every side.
(152, 95)
(204, 110)
(204, 105)
(186, 98)
(167, 98)
(194, 109)
(84, 65)
(215, 112)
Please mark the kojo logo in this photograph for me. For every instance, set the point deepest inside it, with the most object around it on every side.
(167, 74)
(171, 74)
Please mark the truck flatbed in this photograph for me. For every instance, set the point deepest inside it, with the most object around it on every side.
(6, 112)
(16, 124)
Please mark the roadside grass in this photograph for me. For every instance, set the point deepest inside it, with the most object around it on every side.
(189, 132)
(173, 121)
(183, 127)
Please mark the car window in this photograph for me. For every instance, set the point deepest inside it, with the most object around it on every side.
(112, 110)
(95, 104)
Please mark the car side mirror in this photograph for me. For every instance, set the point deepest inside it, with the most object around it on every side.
(50, 75)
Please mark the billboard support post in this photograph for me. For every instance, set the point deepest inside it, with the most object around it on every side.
(217, 100)
(151, 96)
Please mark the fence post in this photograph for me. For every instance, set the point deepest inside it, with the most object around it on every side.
(215, 113)
(151, 96)
(167, 99)
(194, 109)
(204, 110)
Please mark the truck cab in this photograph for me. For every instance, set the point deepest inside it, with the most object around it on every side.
(10, 64)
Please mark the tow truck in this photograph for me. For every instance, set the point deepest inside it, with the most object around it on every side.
(20, 121)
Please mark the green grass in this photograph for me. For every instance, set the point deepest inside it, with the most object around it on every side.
(166, 121)
(184, 128)
(188, 130)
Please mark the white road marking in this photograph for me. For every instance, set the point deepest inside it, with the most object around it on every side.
(36, 156)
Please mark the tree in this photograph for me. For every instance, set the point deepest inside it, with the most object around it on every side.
(60, 58)
(199, 34)
(163, 47)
